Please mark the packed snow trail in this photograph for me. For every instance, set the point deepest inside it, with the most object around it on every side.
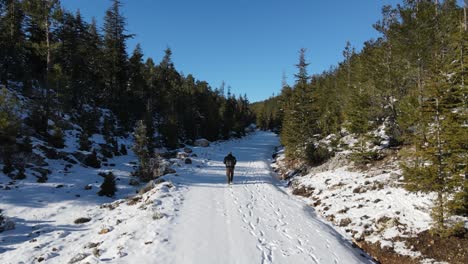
(251, 221)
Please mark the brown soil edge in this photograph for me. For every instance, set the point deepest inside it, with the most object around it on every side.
(384, 255)
(453, 249)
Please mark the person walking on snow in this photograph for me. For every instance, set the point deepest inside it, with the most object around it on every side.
(230, 162)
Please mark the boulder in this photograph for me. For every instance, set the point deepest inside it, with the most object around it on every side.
(345, 222)
(7, 225)
(77, 258)
(133, 182)
(105, 230)
(169, 154)
(386, 222)
(92, 245)
(182, 155)
(50, 153)
(169, 171)
(79, 156)
(188, 150)
(82, 220)
(188, 161)
(202, 142)
(42, 171)
(70, 160)
(158, 215)
(251, 128)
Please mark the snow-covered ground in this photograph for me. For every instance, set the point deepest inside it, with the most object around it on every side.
(192, 217)
(368, 204)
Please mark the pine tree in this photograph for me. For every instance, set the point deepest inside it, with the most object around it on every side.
(137, 84)
(84, 142)
(300, 121)
(9, 119)
(169, 81)
(140, 147)
(12, 42)
(437, 162)
(302, 77)
(94, 93)
(42, 18)
(116, 61)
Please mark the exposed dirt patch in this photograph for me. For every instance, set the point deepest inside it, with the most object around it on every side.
(385, 255)
(452, 249)
(303, 191)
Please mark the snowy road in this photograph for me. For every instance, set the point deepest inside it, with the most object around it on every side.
(197, 219)
(251, 221)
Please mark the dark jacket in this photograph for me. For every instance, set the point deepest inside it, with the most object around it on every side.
(230, 161)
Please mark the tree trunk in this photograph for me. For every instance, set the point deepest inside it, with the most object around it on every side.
(48, 65)
(463, 32)
(464, 14)
(440, 173)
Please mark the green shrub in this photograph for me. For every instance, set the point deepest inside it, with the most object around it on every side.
(123, 149)
(92, 160)
(365, 157)
(84, 142)
(8, 166)
(459, 204)
(21, 174)
(26, 145)
(317, 155)
(107, 151)
(57, 138)
(108, 187)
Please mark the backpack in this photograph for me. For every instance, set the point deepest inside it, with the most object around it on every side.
(230, 162)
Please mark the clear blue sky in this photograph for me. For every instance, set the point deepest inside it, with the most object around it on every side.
(246, 43)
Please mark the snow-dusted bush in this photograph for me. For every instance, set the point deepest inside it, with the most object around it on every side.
(153, 169)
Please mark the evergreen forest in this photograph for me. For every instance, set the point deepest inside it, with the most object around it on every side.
(410, 81)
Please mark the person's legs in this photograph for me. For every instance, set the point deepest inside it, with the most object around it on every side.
(228, 173)
(231, 175)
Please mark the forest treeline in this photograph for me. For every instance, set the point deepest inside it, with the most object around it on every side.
(66, 65)
(411, 81)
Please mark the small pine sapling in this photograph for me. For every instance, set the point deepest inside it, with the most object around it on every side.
(108, 187)
(21, 174)
(8, 166)
(27, 145)
(92, 160)
(123, 149)
(84, 142)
